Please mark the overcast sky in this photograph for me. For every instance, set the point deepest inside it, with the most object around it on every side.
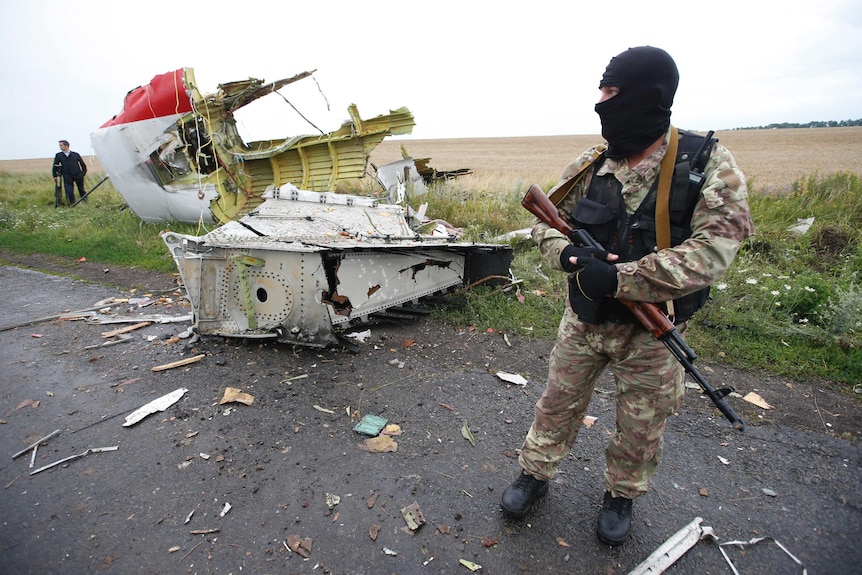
(464, 68)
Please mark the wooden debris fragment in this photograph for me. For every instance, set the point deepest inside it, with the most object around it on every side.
(180, 363)
(128, 328)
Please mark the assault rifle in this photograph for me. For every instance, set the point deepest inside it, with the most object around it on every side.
(649, 314)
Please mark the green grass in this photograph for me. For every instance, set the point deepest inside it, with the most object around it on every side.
(101, 229)
(791, 304)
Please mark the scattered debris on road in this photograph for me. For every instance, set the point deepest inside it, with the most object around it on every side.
(159, 404)
(73, 457)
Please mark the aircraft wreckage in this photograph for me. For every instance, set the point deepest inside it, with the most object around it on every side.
(175, 154)
(291, 261)
(306, 267)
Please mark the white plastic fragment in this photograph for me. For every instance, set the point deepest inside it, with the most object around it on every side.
(389, 551)
(512, 378)
(224, 511)
(674, 548)
(724, 460)
(159, 404)
(359, 336)
(801, 226)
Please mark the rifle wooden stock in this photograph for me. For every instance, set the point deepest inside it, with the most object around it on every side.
(648, 314)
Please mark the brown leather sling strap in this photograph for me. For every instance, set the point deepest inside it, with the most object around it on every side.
(662, 204)
(563, 190)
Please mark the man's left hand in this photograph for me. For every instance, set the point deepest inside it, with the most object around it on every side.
(596, 278)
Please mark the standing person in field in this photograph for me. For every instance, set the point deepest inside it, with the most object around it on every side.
(71, 167)
(615, 198)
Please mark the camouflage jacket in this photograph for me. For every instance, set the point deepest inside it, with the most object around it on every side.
(720, 222)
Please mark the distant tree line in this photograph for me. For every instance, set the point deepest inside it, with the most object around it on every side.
(826, 124)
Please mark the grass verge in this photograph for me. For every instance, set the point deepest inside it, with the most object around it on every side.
(791, 303)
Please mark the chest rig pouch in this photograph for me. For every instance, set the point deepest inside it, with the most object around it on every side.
(602, 212)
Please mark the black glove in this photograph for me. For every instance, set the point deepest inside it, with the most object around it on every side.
(582, 254)
(596, 278)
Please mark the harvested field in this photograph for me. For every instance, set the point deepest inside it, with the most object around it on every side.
(772, 159)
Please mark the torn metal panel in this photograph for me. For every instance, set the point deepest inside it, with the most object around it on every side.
(674, 548)
(322, 263)
(175, 154)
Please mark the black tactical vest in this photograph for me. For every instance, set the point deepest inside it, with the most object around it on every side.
(602, 212)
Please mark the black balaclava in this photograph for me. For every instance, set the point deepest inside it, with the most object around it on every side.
(647, 78)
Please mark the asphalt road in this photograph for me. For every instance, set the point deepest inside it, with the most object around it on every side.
(236, 488)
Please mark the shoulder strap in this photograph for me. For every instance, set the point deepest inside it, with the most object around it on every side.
(662, 204)
(563, 190)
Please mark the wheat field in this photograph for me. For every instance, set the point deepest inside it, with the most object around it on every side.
(771, 159)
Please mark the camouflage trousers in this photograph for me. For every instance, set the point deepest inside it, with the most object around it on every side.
(649, 388)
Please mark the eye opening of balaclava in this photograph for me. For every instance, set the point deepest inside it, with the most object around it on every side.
(632, 120)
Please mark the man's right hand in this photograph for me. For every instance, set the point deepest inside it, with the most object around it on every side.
(571, 251)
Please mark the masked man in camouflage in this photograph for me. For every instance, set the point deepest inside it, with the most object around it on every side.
(615, 199)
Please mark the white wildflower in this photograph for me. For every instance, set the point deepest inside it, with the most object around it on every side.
(811, 289)
(751, 281)
(787, 287)
(775, 292)
(721, 286)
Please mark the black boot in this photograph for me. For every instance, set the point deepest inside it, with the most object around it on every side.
(517, 497)
(615, 519)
